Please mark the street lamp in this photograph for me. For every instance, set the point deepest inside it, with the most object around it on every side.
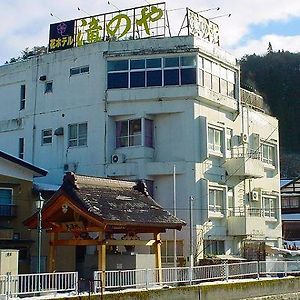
(39, 205)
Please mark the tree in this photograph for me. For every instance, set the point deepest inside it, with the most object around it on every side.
(27, 52)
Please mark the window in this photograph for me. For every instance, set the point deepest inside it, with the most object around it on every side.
(230, 201)
(214, 140)
(151, 72)
(290, 202)
(268, 154)
(6, 208)
(167, 250)
(213, 247)
(77, 135)
(79, 70)
(46, 136)
(269, 206)
(136, 132)
(22, 96)
(217, 78)
(216, 200)
(48, 87)
(229, 135)
(21, 148)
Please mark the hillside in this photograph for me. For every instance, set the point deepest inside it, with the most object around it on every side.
(276, 76)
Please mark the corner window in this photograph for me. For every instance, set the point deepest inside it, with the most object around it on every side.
(269, 207)
(22, 96)
(214, 140)
(21, 148)
(48, 87)
(268, 154)
(77, 135)
(79, 70)
(216, 200)
(217, 78)
(46, 136)
(136, 132)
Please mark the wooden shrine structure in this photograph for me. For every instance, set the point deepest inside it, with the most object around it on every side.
(92, 210)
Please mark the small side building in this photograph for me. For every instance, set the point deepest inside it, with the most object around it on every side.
(16, 204)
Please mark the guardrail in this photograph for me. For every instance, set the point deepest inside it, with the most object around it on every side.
(12, 286)
(147, 278)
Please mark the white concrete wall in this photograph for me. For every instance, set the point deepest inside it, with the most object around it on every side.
(180, 115)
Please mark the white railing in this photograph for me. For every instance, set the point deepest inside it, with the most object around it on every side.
(147, 278)
(13, 286)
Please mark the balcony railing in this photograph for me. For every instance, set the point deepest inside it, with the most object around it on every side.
(8, 210)
(246, 212)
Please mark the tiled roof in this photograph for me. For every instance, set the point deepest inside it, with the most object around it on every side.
(119, 201)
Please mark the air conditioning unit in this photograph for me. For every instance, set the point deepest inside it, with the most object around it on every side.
(70, 167)
(254, 196)
(244, 138)
(117, 158)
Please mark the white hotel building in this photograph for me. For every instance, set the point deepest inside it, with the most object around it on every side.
(135, 109)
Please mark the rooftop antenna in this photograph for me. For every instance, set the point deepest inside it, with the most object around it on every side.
(110, 3)
(209, 9)
(147, 2)
(221, 16)
(52, 15)
(80, 9)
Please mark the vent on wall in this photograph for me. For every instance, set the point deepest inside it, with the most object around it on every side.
(117, 158)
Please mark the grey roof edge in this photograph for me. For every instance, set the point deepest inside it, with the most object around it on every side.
(23, 163)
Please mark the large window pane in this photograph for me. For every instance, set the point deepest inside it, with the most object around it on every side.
(190, 61)
(137, 64)
(215, 84)
(171, 77)
(153, 63)
(137, 79)
(207, 80)
(171, 62)
(135, 126)
(154, 78)
(117, 80)
(188, 76)
(117, 65)
(148, 133)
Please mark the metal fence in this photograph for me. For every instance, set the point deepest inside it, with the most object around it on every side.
(12, 286)
(147, 278)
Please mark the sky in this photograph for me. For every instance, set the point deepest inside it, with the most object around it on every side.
(249, 29)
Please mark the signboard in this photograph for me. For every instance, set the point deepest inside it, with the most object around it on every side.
(135, 23)
(61, 35)
(202, 27)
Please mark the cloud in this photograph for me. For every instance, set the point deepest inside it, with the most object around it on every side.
(287, 43)
(25, 23)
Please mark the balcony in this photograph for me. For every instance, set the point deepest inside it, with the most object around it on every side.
(244, 163)
(247, 222)
(8, 210)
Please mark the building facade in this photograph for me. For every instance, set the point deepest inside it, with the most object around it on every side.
(140, 109)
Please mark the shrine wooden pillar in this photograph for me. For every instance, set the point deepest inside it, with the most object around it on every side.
(52, 252)
(102, 257)
(158, 255)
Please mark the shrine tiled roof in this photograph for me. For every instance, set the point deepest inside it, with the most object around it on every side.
(116, 201)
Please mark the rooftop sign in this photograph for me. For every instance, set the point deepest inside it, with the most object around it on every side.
(202, 27)
(135, 23)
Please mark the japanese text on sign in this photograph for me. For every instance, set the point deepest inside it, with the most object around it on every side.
(135, 23)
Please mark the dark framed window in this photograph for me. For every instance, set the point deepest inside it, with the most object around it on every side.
(21, 148)
(22, 96)
(46, 136)
(79, 70)
(48, 87)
